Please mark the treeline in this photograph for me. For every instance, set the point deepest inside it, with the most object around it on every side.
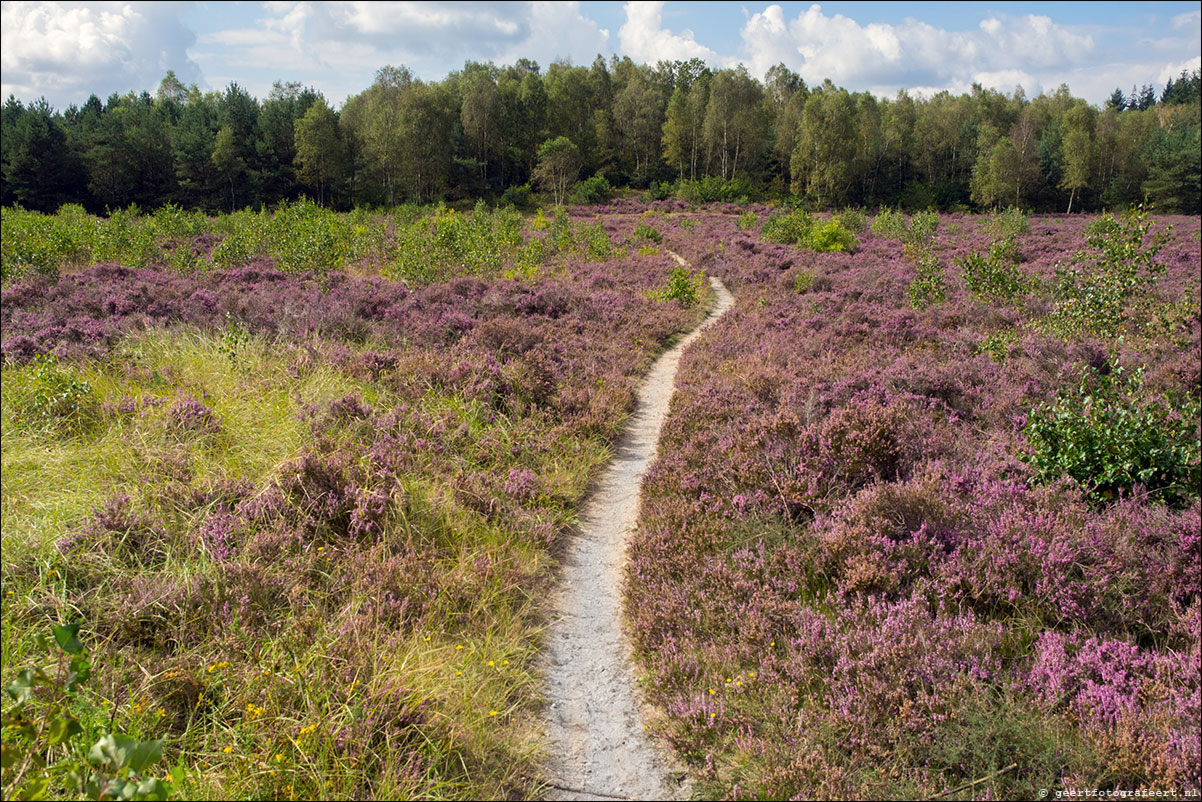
(481, 132)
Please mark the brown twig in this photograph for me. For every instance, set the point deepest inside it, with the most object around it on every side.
(966, 786)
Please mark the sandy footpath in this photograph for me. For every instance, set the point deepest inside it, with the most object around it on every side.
(599, 747)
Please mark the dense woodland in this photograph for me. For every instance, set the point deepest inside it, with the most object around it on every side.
(489, 131)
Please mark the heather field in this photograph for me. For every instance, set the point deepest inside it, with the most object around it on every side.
(305, 513)
(927, 512)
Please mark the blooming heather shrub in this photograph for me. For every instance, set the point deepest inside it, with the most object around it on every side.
(449, 432)
(187, 417)
(828, 589)
(1111, 436)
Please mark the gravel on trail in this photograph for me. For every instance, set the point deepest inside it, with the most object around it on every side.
(600, 748)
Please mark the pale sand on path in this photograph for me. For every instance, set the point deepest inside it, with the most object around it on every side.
(599, 746)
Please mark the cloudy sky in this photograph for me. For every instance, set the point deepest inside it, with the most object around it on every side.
(65, 51)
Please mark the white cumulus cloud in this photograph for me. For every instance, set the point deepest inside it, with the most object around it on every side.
(67, 51)
(884, 57)
(338, 46)
(645, 40)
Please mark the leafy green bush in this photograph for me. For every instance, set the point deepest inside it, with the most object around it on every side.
(126, 238)
(597, 244)
(713, 189)
(852, 220)
(1008, 223)
(799, 228)
(1109, 435)
(659, 190)
(929, 285)
(993, 275)
(245, 236)
(519, 196)
(746, 221)
(305, 237)
(829, 237)
(43, 754)
(594, 190)
(644, 231)
(26, 243)
(682, 287)
(1119, 271)
(803, 281)
(52, 397)
(791, 227)
(921, 232)
(890, 224)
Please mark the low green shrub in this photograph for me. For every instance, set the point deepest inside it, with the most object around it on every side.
(713, 189)
(791, 227)
(890, 224)
(830, 237)
(594, 190)
(803, 281)
(682, 287)
(852, 220)
(1109, 435)
(993, 276)
(1010, 222)
(53, 398)
(646, 232)
(929, 286)
(44, 739)
(1112, 282)
(519, 196)
(799, 228)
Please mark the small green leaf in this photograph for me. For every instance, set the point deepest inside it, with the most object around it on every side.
(145, 754)
(65, 636)
(9, 755)
(111, 751)
(35, 787)
(153, 789)
(62, 728)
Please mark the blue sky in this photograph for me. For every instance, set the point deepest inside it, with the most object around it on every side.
(66, 50)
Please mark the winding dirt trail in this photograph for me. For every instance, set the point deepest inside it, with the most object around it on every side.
(600, 749)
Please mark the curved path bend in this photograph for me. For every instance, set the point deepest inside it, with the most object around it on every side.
(599, 747)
